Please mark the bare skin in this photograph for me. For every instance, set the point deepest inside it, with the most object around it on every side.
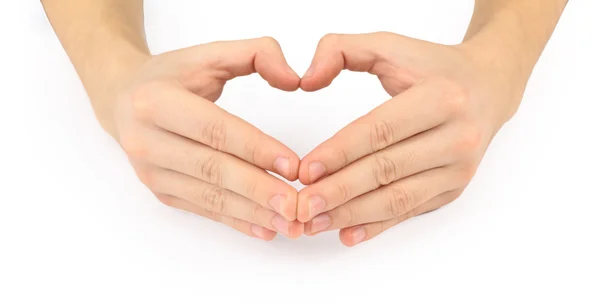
(413, 154)
(160, 108)
(419, 150)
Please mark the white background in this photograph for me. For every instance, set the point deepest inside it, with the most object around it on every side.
(77, 228)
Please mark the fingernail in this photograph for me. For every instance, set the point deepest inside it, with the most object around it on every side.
(358, 235)
(281, 225)
(320, 223)
(315, 171)
(276, 202)
(259, 232)
(316, 205)
(282, 166)
(309, 72)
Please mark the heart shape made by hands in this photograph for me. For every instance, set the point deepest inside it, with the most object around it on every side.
(412, 154)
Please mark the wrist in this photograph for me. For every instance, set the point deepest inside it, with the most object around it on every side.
(108, 61)
(504, 52)
(504, 62)
(507, 37)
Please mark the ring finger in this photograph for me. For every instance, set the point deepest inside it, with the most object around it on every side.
(425, 151)
(388, 202)
(223, 170)
(247, 228)
(361, 233)
(220, 201)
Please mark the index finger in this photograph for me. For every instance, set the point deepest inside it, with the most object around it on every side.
(416, 110)
(179, 111)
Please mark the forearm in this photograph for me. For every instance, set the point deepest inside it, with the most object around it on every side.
(512, 34)
(103, 38)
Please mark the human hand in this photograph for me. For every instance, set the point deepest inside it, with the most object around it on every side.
(197, 157)
(417, 151)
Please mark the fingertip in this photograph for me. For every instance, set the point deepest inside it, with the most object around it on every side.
(346, 238)
(303, 172)
(296, 230)
(272, 66)
(311, 171)
(353, 236)
(311, 84)
(303, 213)
(283, 82)
(289, 211)
(291, 81)
(291, 72)
(282, 166)
(270, 236)
(294, 169)
(322, 72)
(309, 81)
(286, 164)
(307, 230)
(262, 233)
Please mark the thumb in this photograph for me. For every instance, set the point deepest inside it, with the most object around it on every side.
(355, 52)
(244, 57)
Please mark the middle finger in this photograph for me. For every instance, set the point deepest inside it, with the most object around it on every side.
(221, 201)
(223, 170)
(428, 150)
(390, 201)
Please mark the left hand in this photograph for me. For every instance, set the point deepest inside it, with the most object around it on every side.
(417, 151)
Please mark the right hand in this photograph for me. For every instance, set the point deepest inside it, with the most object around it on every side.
(197, 157)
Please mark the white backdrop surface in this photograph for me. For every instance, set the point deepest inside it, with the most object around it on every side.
(77, 228)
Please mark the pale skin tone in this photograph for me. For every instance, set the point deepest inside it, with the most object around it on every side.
(411, 155)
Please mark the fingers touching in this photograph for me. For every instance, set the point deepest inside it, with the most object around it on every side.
(374, 173)
(183, 113)
(336, 52)
(230, 59)
(371, 52)
(389, 202)
(200, 157)
(421, 108)
(216, 200)
(414, 153)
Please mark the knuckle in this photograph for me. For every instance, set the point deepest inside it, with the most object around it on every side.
(470, 139)
(213, 133)
(147, 177)
(400, 202)
(252, 149)
(255, 214)
(342, 156)
(455, 96)
(142, 109)
(452, 196)
(337, 154)
(141, 100)
(269, 41)
(383, 35)
(210, 215)
(382, 135)
(350, 216)
(344, 192)
(330, 39)
(252, 189)
(133, 146)
(167, 200)
(210, 169)
(385, 170)
(215, 198)
(467, 173)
